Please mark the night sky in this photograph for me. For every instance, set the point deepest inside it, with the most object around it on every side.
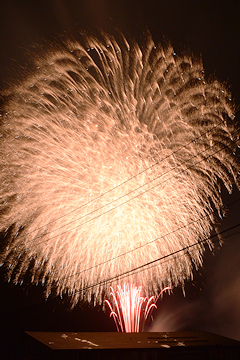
(209, 29)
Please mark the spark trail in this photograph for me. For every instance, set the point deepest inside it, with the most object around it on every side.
(129, 309)
(74, 135)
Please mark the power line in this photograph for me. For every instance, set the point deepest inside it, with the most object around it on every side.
(141, 267)
(148, 243)
(114, 188)
(137, 269)
(123, 203)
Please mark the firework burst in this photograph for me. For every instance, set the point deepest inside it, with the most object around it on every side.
(111, 157)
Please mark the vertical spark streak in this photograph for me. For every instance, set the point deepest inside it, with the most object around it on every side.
(130, 310)
(112, 155)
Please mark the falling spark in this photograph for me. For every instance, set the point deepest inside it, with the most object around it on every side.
(130, 310)
(112, 156)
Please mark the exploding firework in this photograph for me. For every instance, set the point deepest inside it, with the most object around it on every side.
(112, 156)
(130, 310)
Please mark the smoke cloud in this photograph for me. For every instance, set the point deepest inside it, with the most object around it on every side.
(217, 306)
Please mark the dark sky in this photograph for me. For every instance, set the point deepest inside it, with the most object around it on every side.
(208, 28)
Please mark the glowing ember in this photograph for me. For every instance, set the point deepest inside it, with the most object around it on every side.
(130, 309)
(111, 157)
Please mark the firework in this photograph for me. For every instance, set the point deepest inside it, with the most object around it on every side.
(112, 156)
(130, 310)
